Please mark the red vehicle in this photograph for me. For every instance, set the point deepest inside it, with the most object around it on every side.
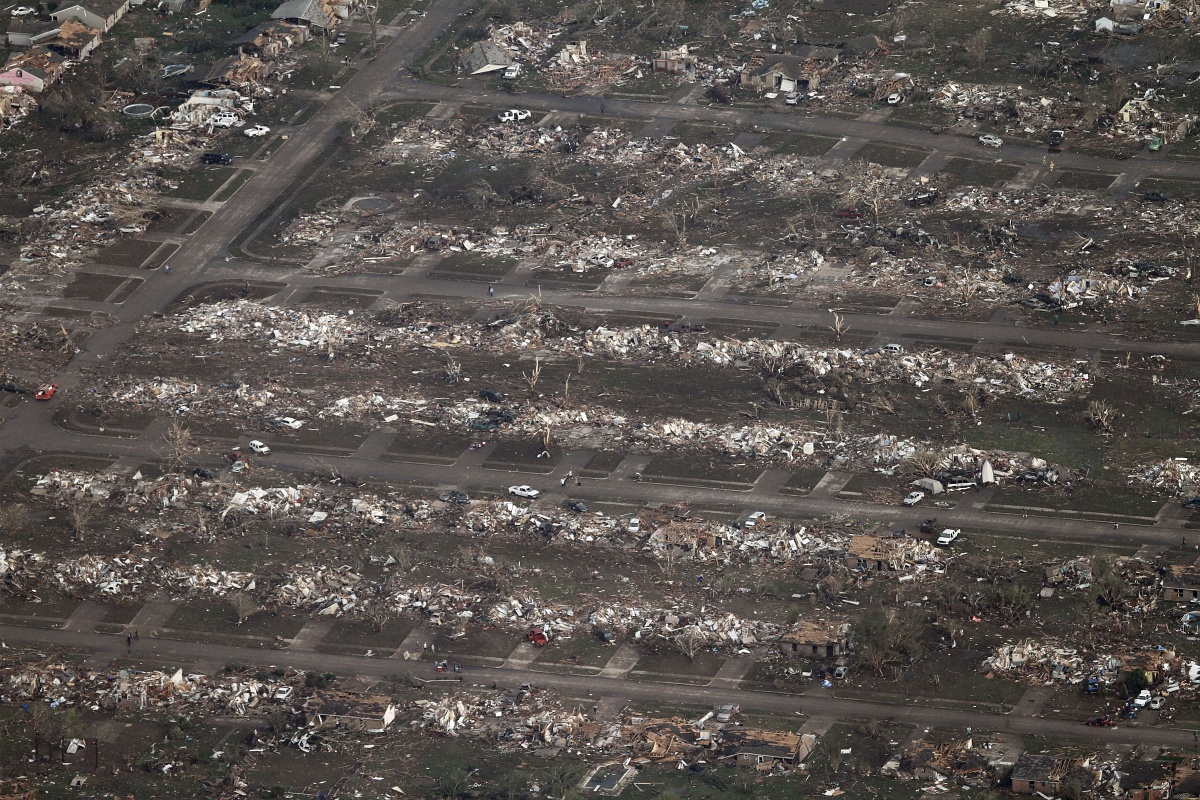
(538, 637)
(1102, 722)
(46, 391)
(848, 213)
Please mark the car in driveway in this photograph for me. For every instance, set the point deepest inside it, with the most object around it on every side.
(990, 140)
(258, 447)
(216, 158)
(527, 492)
(1103, 721)
(1143, 698)
(21, 11)
(257, 130)
(912, 498)
(223, 120)
(46, 391)
(454, 496)
(578, 506)
(754, 519)
(1158, 702)
(284, 693)
(514, 115)
(634, 526)
(948, 535)
(792, 99)
(726, 713)
(894, 98)
(511, 72)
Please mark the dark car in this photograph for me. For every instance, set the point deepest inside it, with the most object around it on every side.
(927, 525)
(216, 158)
(453, 496)
(1056, 138)
(1156, 197)
(201, 472)
(491, 395)
(924, 198)
(577, 505)
(1101, 722)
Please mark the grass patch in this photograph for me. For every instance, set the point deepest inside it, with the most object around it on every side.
(700, 469)
(1097, 181)
(1172, 188)
(704, 665)
(239, 180)
(602, 464)
(128, 252)
(804, 480)
(1085, 500)
(799, 144)
(892, 156)
(981, 173)
(92, 286)
(200, 183)
(217, 616)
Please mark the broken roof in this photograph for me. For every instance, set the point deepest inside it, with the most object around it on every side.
(1031, 767)
(311, 11)
(820, 631)
(1183, 575)
(485, 57)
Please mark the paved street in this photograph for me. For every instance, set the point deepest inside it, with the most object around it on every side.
(817, 702)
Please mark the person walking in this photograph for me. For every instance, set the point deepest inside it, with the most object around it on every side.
(491, 291)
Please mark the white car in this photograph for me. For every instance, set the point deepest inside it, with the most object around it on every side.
(515, 115)
(1158, 702)
(912, 498)
(894, 98)
(988, 140)
(22, 11)
(290, 422)
(1142, 699)
(792, 99)
(523, 491)
(948, 536)
(257, 130)
(634, 526)
(283, 693)
(258, 447)
(512, 72)
(223, 120)
(754, 519)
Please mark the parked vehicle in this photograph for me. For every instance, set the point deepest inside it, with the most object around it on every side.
(1143, 698)
(848, 213)
(538, 636)
(454, 496)
(1156, 144)
(792, 99)
(912, 498)
(258, 447)
(283, 693)
(46, 391)
(894, 98)
(523, 491)
(989, 140)
(1093, 685)
(726, 713)
(924, 198)
(1156, 197)
(634, 526)
(927, 525)
(216, 158)
(578, 506)
(223, 120)
(948, 535)
(491, 395)
(893, 348)
(754, 519)
(256, 130)
(1158, 702)
(514, 115)
(1056, 138)
(512, 72)
(1101, 722)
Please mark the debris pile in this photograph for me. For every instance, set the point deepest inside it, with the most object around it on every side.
(1177, 476)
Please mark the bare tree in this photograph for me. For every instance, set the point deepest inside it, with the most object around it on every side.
(81, 512)
(923, 463)
(532, 378)
(977, 46)
(14, 517)
(1101, 415)
(244, 606)
(452, 370)
(839, 327)
(180, 443)
(690, 641)
(970, 404)
(371, 12)
(379, 615)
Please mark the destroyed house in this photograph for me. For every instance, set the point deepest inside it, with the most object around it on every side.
(926, 760)
(1040, 773)
(32, 70)
(1147, 780)
(676, 61)
(75, 40)
(790, 73)
(663, 739)
(874, 553)
(98, 14)
(317, 13)
(271, 39)
(27, 33)
(814, 639)
(369, 713)
(238, 70)
(483, 57)
(764, 749)
(1182, 584)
